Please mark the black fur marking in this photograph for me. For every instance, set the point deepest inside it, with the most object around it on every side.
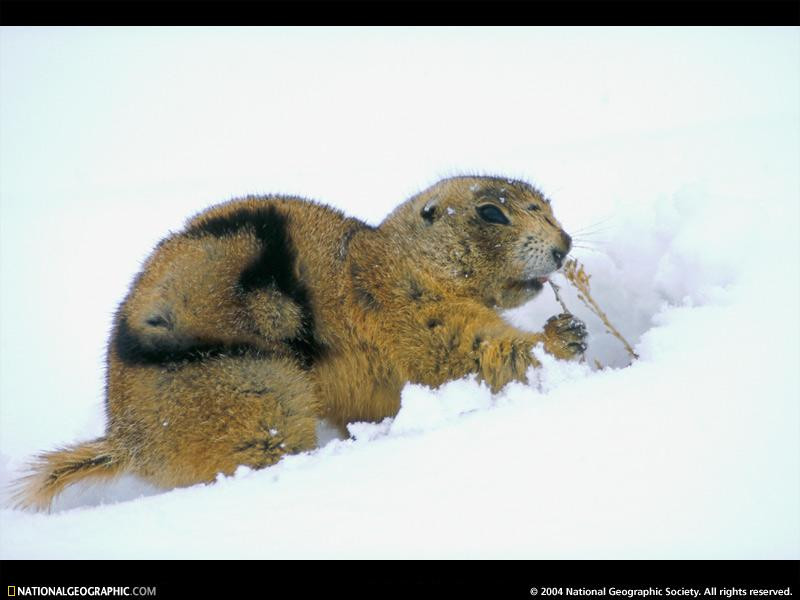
(433, 323)
(134, 349)
(415, 292)
(103, 459)
(454, 340)
(256, 391)
(264, 445)
(344, 246)
(362, 295)
(419, 294)
(492, 193)
(366, 299)
(274, 267)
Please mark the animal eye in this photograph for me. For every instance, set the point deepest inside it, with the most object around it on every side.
(427, 213)
(534, 207)
(491, 214)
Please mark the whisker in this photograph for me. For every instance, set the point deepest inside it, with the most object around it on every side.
(585, 241)
(581, 234)
(596, 225)
(590, 243)
(583, 248)
(590, 232)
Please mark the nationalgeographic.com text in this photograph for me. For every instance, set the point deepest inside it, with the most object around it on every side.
(36, 591)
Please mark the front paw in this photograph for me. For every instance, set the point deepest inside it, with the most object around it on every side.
(505, 360)
(565, 336)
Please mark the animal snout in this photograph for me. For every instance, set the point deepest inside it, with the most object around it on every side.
(558, 256)
(558, 253)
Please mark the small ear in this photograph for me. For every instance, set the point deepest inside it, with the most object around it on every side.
(428, 212)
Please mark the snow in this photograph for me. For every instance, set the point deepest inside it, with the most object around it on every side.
(672, 156)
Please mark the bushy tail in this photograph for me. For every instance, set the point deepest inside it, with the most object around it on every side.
(51, 472)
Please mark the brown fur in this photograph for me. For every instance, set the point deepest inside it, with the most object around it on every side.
(266, 315)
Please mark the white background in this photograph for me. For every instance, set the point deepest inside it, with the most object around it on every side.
(672, 153)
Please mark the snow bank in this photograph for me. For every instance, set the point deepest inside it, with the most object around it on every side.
(691, 452)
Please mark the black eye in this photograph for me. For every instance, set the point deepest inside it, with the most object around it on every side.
(491, 214)
(428, 212)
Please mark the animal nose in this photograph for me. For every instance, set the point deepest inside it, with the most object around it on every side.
(558, 256)
(567, 241)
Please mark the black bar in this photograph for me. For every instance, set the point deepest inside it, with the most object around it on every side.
(435, 12)
(545, 580)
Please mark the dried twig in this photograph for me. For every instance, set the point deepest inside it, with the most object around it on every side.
(563, 306)
(578, 277)
(558, 296)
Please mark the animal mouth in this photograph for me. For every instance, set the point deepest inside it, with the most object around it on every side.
(535, 283)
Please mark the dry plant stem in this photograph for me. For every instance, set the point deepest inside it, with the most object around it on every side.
(558, 296)
(564, 306)
(576, 275)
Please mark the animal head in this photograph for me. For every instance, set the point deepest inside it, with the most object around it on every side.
(492, 238)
